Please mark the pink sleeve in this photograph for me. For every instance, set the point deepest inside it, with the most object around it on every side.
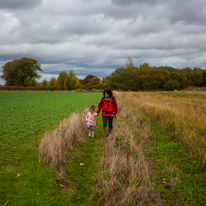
(87, 116)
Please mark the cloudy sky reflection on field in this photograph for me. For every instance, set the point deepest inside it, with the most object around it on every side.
(96, 36)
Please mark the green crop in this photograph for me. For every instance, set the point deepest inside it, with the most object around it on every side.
(23, 179)
(23, 113)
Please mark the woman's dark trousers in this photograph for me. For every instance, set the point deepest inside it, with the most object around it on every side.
(108, 119)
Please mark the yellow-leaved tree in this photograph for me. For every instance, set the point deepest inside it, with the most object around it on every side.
(129, 63)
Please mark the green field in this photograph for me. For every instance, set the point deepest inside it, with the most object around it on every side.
(23, 180)
(174, 177)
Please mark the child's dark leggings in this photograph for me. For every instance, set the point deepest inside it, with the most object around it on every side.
(105, 118)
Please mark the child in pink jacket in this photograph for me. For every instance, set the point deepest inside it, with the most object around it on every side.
(90, 120)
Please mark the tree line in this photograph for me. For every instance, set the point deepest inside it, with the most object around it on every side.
(24, 72)
(147, 78)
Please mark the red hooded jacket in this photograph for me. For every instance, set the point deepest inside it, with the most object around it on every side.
(109, 107)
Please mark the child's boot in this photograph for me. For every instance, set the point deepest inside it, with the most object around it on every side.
(89, 133)
(106, 131)
(92, 134)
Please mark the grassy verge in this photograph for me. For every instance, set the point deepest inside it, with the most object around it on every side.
(178, 179)
(25, 181)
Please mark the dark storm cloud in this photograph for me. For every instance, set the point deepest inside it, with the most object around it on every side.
(14, 4)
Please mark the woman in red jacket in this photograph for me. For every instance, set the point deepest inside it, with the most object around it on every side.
(109, 108)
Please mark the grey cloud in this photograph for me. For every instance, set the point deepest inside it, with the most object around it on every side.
(129, 2)
(22, 4)
(187, 11)
(96, 37)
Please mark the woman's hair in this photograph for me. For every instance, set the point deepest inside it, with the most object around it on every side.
(108, 91)
(92, 107)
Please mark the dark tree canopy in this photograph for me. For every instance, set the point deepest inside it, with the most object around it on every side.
(156, 78)
(20, 72)
(86, 79)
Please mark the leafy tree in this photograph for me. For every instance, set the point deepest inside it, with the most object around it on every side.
(197, 69)
(114, 79)
(20, 71)
(72, 74)
(33, 82)
(186, 83)
(86, 79)
(187, 69)
(60, 80)
(196, 77)
(94, 81)
(168, 68)
(52, 82)
(171, 85)
(67, 83)
(144, 66)
(129, 63)
(175, 74)
(204, 77)
(129, 79)
(71, 81)
(153, 78)
(178, 76)
(77, 84)
(105, 79)
(44, 83)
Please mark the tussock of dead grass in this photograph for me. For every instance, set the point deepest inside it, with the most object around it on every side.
(52, 148)
(124, 169)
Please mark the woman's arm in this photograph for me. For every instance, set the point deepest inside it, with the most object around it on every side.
(115, 108)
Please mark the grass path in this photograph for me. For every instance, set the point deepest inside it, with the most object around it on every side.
(84, 176)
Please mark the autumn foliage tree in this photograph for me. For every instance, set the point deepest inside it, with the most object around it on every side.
(129, 63)
(44, 83)
(135, 79)
(33, 82)
(52, 82)
(68, 81)
(20, 72)
(94, 81)
(86, 79)
(187, 69)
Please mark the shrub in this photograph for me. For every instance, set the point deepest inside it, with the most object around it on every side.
(171, 85)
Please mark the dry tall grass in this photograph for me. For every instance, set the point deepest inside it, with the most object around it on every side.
(52, 148)
(185, 117)
(124, 175)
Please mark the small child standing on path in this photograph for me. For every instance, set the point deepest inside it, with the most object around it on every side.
(90, 120)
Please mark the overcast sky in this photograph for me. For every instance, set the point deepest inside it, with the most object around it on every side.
(97, 36)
